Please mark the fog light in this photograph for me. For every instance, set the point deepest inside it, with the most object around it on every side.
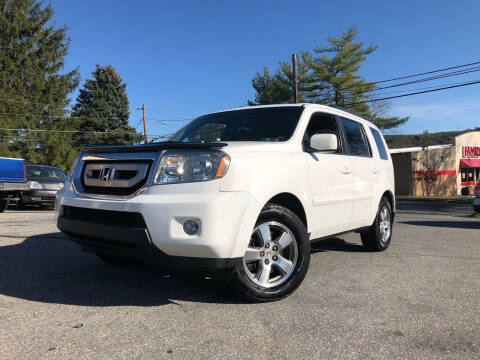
(191, 227)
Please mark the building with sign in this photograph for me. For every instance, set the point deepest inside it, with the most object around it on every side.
(440, 170)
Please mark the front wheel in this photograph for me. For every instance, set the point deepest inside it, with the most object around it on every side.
(3, 205)
(378, 236)
(277, 258)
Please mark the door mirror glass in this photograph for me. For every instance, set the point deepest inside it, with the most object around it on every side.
(324, 142)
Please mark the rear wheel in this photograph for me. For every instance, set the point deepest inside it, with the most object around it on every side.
(3, 205)
(116, 260)
(378, 237)
(277, 258)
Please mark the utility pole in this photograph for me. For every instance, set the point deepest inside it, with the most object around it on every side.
(295, 78)
(145, 137)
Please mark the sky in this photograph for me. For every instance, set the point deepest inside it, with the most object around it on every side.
(183, 59)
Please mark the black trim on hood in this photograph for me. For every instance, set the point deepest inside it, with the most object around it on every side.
(152, 147)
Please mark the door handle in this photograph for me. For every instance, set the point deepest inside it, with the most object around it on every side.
(346, 170)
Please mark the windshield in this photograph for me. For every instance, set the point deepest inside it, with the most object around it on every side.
(258, 124)
(45, 172)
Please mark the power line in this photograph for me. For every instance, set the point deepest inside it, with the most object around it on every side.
(428, 72)
(62, 116)
(57, 131)
(173, 120)
(441, 76)
(416, 93)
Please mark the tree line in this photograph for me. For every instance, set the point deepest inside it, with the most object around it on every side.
(329, 76)
(36, 120)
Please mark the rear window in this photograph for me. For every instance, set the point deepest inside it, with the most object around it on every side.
(356, 140)
(380, 145)
(258, 124)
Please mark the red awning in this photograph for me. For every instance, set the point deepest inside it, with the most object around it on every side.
(470, 163)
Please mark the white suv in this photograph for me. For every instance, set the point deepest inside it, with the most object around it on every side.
(240, 193)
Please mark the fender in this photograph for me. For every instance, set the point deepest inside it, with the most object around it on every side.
(265, 178)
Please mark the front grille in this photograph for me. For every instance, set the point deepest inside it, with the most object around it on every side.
(105, 217)
(115, 178)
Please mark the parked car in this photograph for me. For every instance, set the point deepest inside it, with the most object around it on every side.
(12, 180)
(240, 193)
(476, 200)
(44, 181)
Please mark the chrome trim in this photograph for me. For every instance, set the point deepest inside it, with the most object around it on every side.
(77, 184)
(108, 171)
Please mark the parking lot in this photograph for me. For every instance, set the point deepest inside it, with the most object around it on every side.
(418, 300)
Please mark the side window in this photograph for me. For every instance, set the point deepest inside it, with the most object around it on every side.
(322, 124)
(380, 145)
(356, 140)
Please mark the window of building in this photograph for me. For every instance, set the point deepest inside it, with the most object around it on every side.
(357, 142)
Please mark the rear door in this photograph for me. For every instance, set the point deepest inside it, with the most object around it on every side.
(365, 172)
(330, 179)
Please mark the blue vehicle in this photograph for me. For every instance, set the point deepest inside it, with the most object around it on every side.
(12, 180)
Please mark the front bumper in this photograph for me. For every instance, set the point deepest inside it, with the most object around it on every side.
(226, 220)
(12, 191)
(43, 197)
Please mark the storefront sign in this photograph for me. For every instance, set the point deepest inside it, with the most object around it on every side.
(471, 151)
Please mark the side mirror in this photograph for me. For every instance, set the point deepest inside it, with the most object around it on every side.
(324, 142)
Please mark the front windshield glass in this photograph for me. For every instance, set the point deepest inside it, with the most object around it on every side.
(45, 172)
(258, 124)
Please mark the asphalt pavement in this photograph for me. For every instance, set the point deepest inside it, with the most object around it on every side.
(420, 299)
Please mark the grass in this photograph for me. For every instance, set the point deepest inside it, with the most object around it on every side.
(476, 216)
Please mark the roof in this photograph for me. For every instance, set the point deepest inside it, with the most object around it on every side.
(331, 109)
(419, 148)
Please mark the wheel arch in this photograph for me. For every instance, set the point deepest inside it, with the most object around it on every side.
(391, 199)
(291, 202)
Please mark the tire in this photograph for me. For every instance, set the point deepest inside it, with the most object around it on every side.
(3, 205)
(116, 260)
(20, 205)
(477, 208)
(379, 235)
(280, 245)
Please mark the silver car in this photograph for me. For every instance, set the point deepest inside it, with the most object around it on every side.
(44, 183)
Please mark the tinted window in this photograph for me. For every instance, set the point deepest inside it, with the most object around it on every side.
(264, 124)
(380, 145)
(321, 124)
(356, 141)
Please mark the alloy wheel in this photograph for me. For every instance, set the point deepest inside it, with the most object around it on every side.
(272, 254)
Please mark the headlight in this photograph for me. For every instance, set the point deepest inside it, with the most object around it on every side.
(35, 185)
(191, 166)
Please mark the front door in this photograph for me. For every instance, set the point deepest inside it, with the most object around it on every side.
(331, 181)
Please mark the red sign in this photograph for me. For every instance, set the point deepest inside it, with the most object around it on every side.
(471, 151)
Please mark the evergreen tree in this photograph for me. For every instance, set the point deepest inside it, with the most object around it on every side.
(33, 92)
(102, 110)
(330, 76)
